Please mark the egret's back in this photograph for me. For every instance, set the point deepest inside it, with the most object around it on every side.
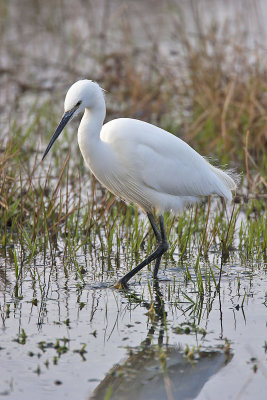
(156, 169)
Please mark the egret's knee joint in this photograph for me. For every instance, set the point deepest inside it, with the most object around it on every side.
(164, 246)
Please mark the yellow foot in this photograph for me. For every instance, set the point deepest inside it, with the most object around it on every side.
(151, 312)
(121, 286)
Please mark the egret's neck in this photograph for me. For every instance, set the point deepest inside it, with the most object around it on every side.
(93, 117)
(89, 129)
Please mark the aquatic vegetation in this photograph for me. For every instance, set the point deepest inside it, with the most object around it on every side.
(64, 240)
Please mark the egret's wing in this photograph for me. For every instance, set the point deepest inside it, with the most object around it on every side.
(177, 170)
(153, 158)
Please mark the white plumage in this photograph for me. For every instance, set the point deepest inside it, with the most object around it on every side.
(140, 162)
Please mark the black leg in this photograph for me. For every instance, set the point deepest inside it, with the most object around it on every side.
(159, 239)
(154, 226)
(156, 268)
(162, 247)
(163, 240)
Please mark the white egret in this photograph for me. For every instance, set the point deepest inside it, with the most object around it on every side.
(140, 163)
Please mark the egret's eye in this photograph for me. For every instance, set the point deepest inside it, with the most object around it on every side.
(76, 106)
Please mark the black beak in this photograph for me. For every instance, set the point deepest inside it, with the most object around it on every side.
(64, 120)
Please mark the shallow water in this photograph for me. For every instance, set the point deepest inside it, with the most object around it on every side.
(121, 335)
(60, 338)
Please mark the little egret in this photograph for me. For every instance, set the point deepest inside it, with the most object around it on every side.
(140, 163)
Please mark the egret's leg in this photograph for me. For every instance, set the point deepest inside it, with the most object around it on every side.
(163, 240)
(154, 227)
(159, 239)
(162, 247)
(156, 268)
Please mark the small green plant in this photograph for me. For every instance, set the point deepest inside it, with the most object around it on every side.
(21, 339)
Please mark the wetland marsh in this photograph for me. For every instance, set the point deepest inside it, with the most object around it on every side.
(200, 332)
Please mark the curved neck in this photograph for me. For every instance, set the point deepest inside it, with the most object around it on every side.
(92, 120)
(89, 129)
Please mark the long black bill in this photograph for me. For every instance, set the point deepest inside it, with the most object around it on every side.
(65, 119)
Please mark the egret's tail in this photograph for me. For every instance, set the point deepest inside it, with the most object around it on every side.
(229, 181)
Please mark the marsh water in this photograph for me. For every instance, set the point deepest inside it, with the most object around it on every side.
(65, 332)
(92, 339)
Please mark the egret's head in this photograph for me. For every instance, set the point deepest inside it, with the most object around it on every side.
(82, 94)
